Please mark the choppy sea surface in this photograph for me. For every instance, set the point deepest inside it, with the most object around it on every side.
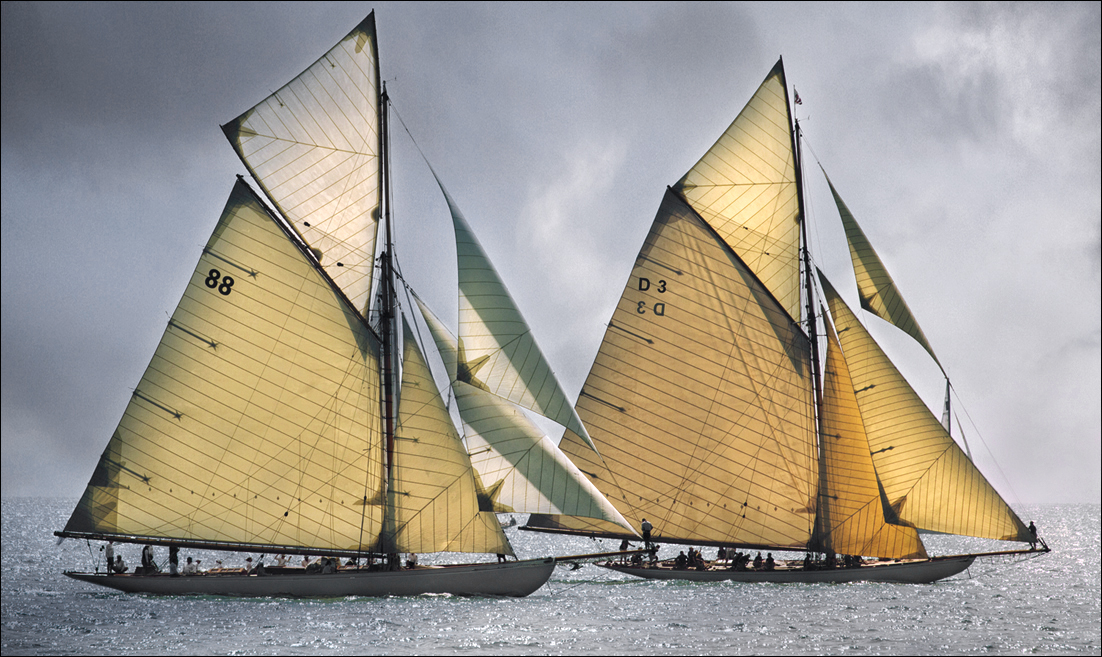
(1045, 605)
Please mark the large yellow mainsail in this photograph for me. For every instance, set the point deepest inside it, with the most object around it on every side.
(745, 188)
(928, 480)
(851, 512)
(877, 290)
(700, 399)
(256, 423)
(314, 148)
(434, 494)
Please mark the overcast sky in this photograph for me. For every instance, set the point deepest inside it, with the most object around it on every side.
(964, 138)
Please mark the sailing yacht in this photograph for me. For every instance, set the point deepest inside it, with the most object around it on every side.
(290, 408)
(716, 417)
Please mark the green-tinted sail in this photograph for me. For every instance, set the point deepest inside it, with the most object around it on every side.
(877, 290)
(497, 351)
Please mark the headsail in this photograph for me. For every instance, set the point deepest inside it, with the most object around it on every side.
(877, 290)
(745, 188)
(256, 422)
(700, 399)
(314, 148)
(434, 493)
(927, 478)
(497, 351)
(851, 510)
(522, 469)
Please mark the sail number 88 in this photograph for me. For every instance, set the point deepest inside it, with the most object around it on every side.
(224, 286)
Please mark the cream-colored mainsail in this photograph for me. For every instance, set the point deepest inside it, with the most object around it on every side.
(745, 188)
(497, 351)
(878, 292)
(699, 399)
(928, 480)
(256, 422)
(314, 148)
(522, 469)
(434, 493)
(851, 510)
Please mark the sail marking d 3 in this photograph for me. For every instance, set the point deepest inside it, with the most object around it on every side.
(277, 439)
(524, 471)
(314, 148)
(745, 188)
(929, 481)
(497, 351)
(699, 399)
(879, 294)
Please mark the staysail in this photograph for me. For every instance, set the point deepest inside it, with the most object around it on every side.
(878, 292)
(928, 480)
(522, 470)
(745, 188)
(497, 351)
(256, 422)
(434, 492)
(699, 399)
(851, 508)
(314, 147)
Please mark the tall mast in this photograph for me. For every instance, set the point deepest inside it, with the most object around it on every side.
(822, 498)
(388, 324)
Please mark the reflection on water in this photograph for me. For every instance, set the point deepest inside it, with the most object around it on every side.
(1047, 605)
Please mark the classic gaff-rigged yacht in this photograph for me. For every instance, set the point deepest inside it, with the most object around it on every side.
(288, 407)
(708, 406)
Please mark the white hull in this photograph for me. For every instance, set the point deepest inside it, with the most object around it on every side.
(918, 571)
(514, 578)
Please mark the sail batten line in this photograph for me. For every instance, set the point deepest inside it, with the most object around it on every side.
(649, 414)
(314, 148)
(181, 369)
(728, 249)
(928, 479)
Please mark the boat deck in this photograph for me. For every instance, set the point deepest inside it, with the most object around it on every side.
(915, 571)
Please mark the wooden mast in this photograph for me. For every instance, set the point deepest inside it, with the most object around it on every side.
(388, 313)
(820, 540)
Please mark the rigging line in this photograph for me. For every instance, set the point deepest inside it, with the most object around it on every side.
(296, 441)
(1006, 480)
(529, 331)
(406, 128)
(419, 338)
(335, 472)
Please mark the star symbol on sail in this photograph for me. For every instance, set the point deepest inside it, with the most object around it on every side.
(466, 370)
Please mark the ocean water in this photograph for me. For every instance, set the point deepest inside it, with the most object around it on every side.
(1045, 605)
